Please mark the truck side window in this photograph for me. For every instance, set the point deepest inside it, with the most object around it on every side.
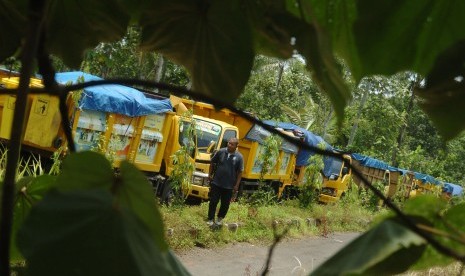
(228, 134)
(184, 135)
(345, 170)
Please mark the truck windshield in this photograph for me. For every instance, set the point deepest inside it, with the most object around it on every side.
(332, 166)
(207, 133)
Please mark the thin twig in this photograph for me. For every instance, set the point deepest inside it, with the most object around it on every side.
(48, 73)
(27, 59)
(441, 233)
(277, 239)
(452, 227)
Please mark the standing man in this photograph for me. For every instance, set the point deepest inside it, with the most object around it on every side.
(229, 164)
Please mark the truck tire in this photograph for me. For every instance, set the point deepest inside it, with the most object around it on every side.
(167, 193)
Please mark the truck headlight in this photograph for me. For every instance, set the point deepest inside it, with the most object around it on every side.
(197, 180)
(200, 179)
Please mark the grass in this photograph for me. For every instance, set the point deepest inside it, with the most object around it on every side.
(189, 228)
(452, 269)
(258, 224)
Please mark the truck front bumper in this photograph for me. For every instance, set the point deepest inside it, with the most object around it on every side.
(327, 198)
(199, 192)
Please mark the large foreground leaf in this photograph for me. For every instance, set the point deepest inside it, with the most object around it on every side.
(136, 193)
(130, 188)
(422, 36)
(336, 18)
(11, 18)
(82, 233)
(443, 96)
(315, 43)
(450, 223)
(85, 170)
(388, 248)
(76, 25)
(429, 207)
(398, 35)
(426, 206)
(212, 39)
(29, 191)
(271, 36)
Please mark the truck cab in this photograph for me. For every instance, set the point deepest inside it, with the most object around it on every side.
(210, 136)
(250, 146)
(336, 178)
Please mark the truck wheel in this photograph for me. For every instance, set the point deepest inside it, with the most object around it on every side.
(57, 142)
(167, 194)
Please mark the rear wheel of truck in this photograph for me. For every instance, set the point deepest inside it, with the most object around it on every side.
(167, 194)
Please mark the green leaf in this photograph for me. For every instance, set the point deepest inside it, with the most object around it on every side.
(456, 216)
(443, 96)
(136, 193)
(426, 206)
(12, 22)
(76, 25)
(131, 189)
(412, 33)
(335, 17)
(81, 233)
(212, 39)
(388, 248)
(451, 223)
(271, 37)
(29, 191)
(314, 42)
(429, 207)
(85, 170)
(326, 72)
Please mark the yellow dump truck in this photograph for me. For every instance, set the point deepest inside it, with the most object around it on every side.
(336, 178)
(146, 132)
(42, 114)
(425, 184)
(373, 170)
(251, 139)
(121, 122)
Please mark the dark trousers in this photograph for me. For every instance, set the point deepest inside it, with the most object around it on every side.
(217, 194)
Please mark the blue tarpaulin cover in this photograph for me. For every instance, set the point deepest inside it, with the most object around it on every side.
(114, 98)
(453, 189)
(374, 163)
(425, 178)
(309, 138)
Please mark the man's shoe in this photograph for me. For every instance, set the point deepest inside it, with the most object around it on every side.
(210, 223)
(219, 222)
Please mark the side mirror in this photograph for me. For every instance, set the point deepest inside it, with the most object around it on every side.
(211, 146)
(345, 171)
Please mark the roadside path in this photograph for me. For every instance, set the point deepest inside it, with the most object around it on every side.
(248, 259)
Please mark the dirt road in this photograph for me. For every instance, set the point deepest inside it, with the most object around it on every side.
(292, 257)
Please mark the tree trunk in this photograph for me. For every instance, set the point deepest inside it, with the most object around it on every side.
(326, 123)
(400, 138)
(280, 74)
(359, 114)
(160, 70)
